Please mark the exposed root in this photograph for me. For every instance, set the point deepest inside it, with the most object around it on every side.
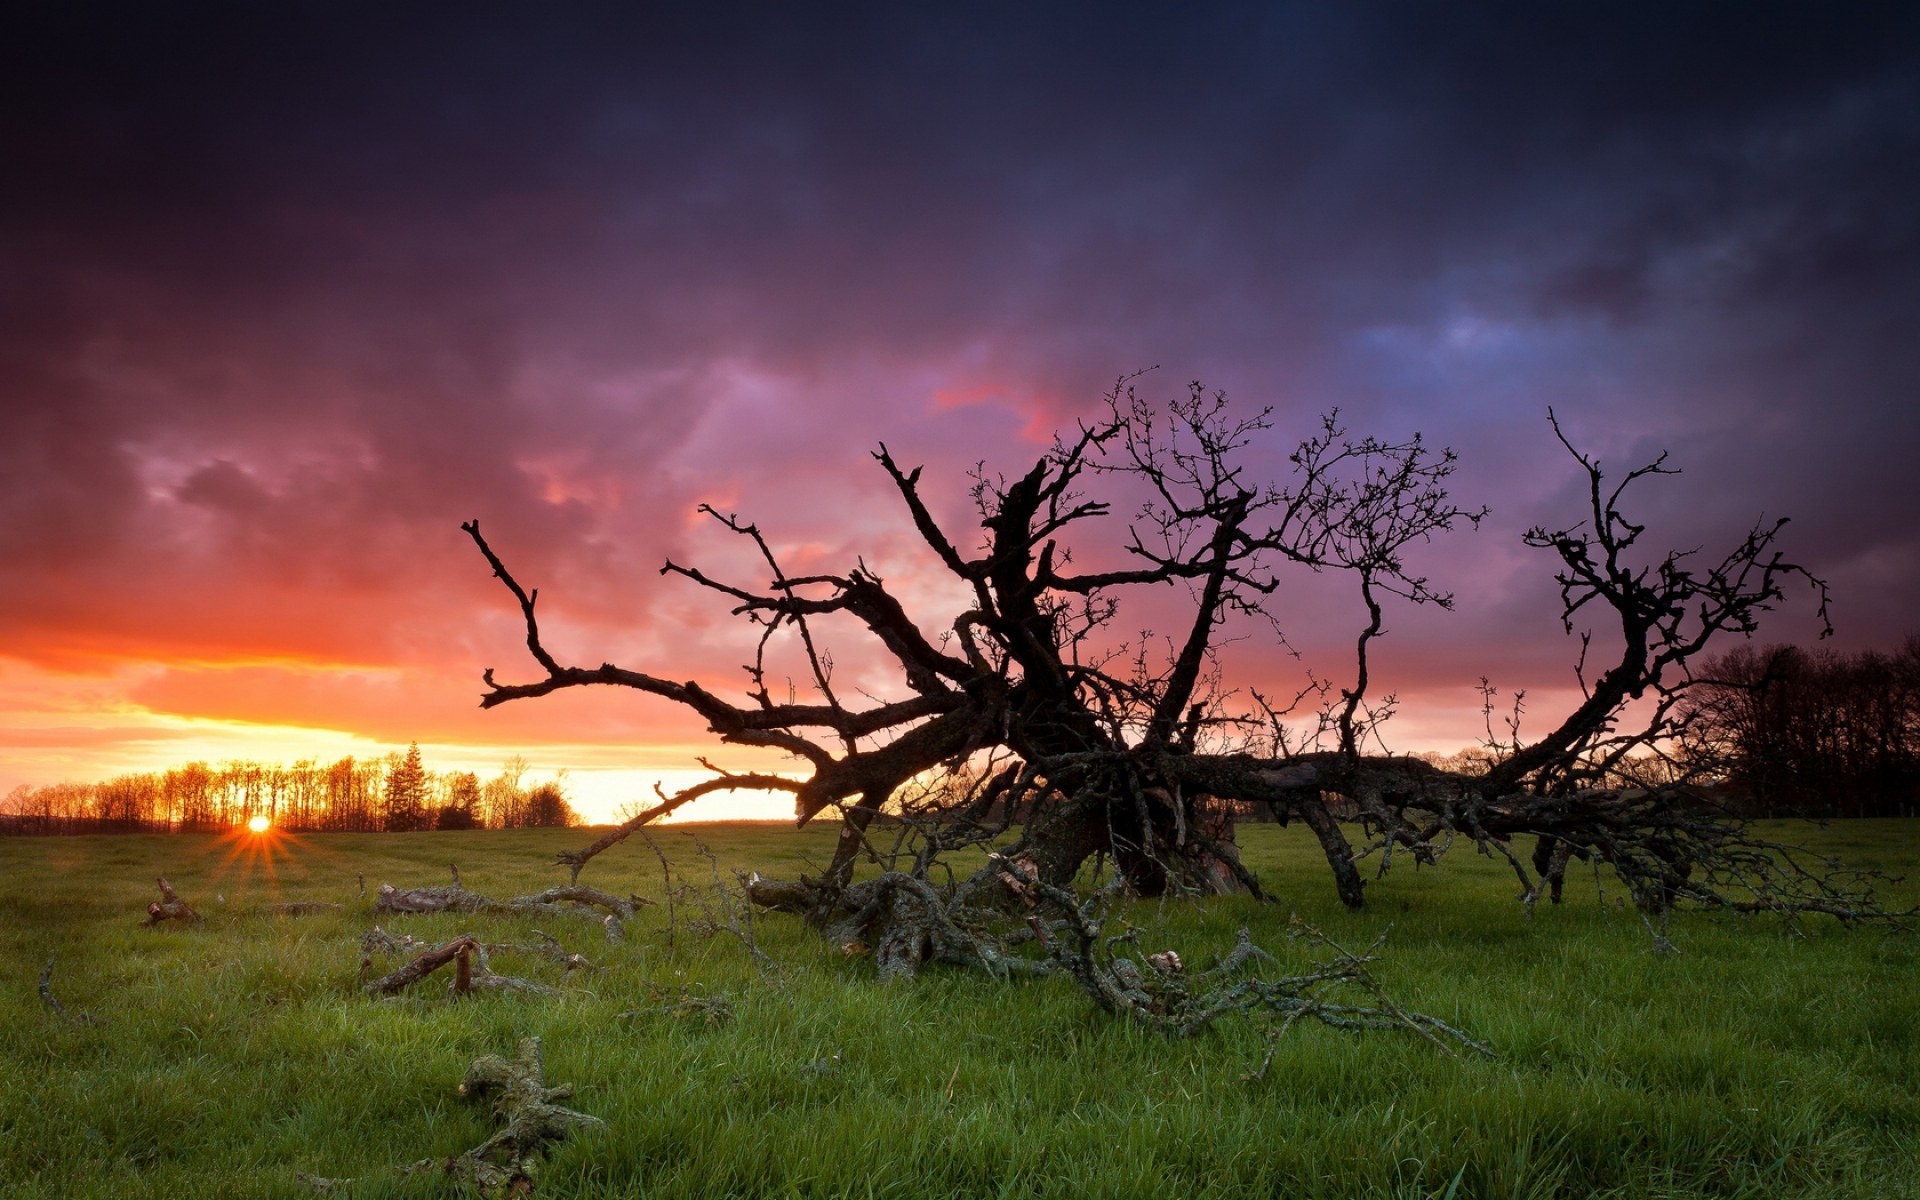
(905, 922)
(170, 907)
(509, 1162)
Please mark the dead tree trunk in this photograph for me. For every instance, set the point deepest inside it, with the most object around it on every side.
(1056, 737)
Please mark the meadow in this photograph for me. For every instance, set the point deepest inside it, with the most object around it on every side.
(221, 1059)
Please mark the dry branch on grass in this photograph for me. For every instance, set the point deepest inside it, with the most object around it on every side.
(52, 1002)
(1158, 991)
(569, 901)
(509, 1162)
(905, 921)
(424, 964)
(170, 907)
(46, 988)
(471, 957)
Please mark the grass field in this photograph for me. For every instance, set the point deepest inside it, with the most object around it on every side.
(226, 1057)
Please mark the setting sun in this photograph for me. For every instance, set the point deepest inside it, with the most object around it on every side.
(260, 824)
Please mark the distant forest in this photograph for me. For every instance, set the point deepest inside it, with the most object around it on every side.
(395, 793)
(1812, 732)
(1783, 731)
(1790, 731)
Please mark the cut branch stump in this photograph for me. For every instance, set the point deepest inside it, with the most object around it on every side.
(170, 907)
(509, 1162)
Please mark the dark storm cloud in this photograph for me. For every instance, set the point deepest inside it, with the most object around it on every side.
(286, 291)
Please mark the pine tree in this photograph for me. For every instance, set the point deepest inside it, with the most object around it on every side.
(407, 793)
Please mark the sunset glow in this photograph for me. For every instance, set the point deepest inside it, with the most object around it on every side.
(1065, 599)
(274, 334)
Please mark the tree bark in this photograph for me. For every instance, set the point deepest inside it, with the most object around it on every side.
(1339, 852)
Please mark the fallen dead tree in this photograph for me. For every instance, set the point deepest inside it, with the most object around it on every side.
(509, 1162)
(571, 901)
(1032, 728)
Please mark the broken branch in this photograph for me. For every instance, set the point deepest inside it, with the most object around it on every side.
(509, 1162)
(170, 907)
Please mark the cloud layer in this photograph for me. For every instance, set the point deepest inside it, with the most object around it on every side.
(287, 294)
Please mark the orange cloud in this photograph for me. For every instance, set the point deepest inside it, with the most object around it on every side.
(1041, 415)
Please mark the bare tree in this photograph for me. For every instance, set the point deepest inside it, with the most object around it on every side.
(1026, 725)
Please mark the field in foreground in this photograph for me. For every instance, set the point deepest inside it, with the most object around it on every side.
(225, 1058)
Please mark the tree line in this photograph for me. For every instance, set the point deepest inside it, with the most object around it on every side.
(394, 793)
(1813, 732)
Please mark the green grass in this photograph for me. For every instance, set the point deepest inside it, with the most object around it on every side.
(228, 1056)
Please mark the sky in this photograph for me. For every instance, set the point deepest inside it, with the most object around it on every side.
(288, 292)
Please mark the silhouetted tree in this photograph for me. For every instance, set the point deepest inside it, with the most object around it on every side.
(1812, 731)
(503, 797)
(461, 810)
(546, 807)
(1051, 739)
(406, 799)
